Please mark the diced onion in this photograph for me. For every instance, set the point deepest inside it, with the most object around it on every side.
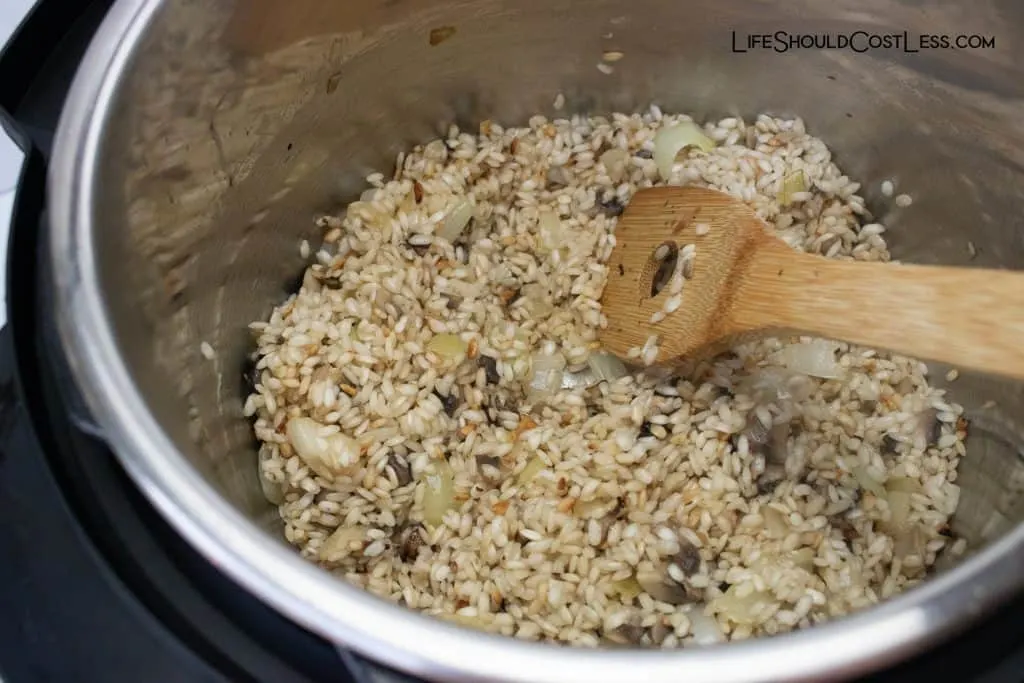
(552, 234)
(775, 522)
(773, 384)
(448, 346)
(627, 589)
(741, 610)
(907, 542)
(559, 176)
(904, 484)
(456, 220)
(271, 491)
(668, 142)
(606, 366)
(816, 358)
(899, 510)
(329, 456)
(867, 482)
(803, 558)
(344, 541)
(586, 509)
(532, 469)
(536, 300)
(898, 492)
(705, 629)
(548, 371)
(582, 379)
(792, 184)
(438, 492)
(614, 161)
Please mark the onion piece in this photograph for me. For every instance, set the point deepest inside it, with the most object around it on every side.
(627, 589)
(329, 456)
(535, 299)
(547, 373)
(899, 511)
(668, 142)
(448, 346)
(532, 469)
(438, 492)
(741, 610)
(910, 541)
(773, 384)
(904, 484)
(553, 236)
(583, 379)
(606, 366)
(705, 629)
(344, 541)
(586, 509)
(614, 161)
(803, 558)
(816, 358)
(775, 522)
(271, 491)
(456, 220)
(792, 184)
(898, 493)
(867, 482)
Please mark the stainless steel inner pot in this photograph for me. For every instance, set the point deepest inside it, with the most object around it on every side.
(202, 137)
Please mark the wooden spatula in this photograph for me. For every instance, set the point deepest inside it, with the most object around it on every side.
(743, 282)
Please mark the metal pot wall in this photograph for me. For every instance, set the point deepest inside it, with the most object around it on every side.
(201, 137)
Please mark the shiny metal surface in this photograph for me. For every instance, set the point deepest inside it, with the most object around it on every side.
(202, 137)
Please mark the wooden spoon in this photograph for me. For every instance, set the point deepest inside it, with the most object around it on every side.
(746, 283)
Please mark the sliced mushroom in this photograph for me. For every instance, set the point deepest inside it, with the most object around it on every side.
(559, 176)
(688, 558)
(659, 632)
(399, 465)
(660, 586)
(777, 448)
(490, 366)
(772, 476)
(449, 403)
(626, 634)
(930, 427)
(612, 207)
(410, 540)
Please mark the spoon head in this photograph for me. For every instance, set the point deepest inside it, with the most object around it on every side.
(669, 274)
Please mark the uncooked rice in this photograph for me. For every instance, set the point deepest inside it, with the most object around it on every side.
(737, 498)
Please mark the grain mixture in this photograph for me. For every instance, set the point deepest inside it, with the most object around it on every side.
(438, 426)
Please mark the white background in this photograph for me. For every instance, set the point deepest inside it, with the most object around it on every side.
(11, 13)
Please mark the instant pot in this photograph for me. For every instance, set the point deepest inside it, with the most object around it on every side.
(163, 193)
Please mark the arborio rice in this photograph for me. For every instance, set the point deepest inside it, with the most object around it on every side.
(433, 432)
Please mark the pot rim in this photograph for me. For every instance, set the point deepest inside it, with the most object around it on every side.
(351, 617)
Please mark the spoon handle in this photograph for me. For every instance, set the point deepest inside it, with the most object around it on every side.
(969, 317)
